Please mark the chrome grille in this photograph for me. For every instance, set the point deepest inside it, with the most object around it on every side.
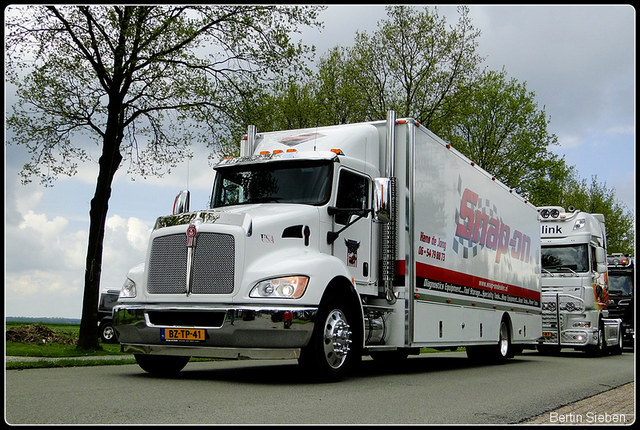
(168, 265)
(213, 266)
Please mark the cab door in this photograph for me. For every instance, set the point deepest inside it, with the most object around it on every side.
(353, 245)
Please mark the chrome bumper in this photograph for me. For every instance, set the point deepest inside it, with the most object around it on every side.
(274, 332)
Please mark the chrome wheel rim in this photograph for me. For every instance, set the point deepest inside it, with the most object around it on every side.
(336, 339)
(108, 333)
(504, 340)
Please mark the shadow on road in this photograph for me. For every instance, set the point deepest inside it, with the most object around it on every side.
(290, 373)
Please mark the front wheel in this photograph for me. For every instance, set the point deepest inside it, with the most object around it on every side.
(617, 349)
(598, 350)
(332, 350)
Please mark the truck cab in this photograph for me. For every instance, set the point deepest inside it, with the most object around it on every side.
(621, 294)
(575, 284)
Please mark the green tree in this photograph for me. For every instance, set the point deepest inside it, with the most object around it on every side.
(497, 124)
(143, 82)
(596, 197)
(340, 101)
(413, 63)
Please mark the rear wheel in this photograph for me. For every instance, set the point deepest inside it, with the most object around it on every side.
(161, 364)
(493, 354)
(332, 350)
(503, 349)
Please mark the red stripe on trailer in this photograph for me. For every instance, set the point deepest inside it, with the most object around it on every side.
(445, 275)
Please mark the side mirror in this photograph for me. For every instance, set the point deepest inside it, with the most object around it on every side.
(382, 203)
(181, 202)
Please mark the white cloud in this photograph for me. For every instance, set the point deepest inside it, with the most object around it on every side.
(45, 259)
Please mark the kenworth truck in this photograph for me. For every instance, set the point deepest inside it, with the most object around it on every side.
(575, 285)
(622, 293)
(330, 243)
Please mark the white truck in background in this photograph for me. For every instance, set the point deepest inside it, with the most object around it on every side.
(330, 243)
(575, 291)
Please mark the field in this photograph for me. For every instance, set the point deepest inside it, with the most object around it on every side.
(51, 340)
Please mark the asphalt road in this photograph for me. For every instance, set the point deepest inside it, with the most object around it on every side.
(442, 388)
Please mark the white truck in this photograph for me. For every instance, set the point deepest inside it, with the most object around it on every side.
(330, 243)
(575, 281)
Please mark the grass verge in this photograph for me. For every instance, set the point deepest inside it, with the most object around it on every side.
(65, 353)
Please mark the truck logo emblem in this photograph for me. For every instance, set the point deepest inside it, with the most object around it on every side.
(191, 235)
(352, 252)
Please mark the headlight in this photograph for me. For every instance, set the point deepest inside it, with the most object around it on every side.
(291, 287)
(128, 289)
(579, 224)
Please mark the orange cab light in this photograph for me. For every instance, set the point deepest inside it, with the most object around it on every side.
(264, 153)
(292, 150)
(337, 151)
(401, 121)
(278, 151)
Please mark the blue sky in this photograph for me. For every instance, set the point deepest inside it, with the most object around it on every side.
(578, 60)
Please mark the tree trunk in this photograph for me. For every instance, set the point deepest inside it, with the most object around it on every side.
(109, 163)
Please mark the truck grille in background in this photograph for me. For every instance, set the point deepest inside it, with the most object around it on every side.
(212, 270)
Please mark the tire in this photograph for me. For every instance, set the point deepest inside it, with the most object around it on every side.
(599, 349)
(107, 332)
(502, 351)
(161, 365)
(617, 349)
(493, 354)
(333, 349)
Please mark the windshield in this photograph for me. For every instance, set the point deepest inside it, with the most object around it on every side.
(566, 258)
(620, 284)
(286, 182)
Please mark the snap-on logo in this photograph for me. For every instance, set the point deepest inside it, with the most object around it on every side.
(478, 225)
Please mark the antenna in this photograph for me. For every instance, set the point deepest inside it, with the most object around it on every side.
(188, 159)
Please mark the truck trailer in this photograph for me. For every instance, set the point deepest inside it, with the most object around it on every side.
(575, 283)
(330, 243)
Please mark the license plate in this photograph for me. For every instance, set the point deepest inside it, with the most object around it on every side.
(547, 334)
(182, 334)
